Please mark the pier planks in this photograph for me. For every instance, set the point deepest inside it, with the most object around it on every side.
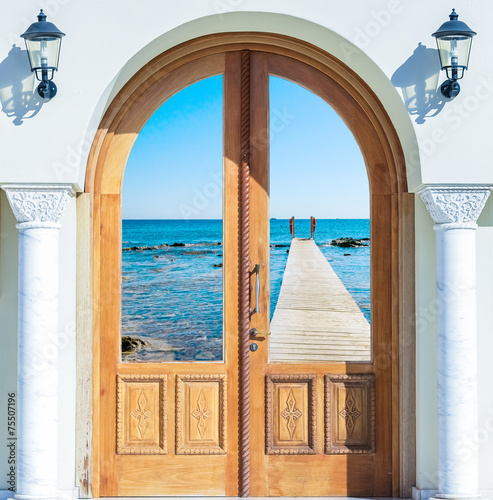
(316, 319)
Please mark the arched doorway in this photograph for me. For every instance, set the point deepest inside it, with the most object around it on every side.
(249, 464)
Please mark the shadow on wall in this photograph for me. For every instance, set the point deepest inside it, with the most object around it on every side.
(418, 80)
(18, 96)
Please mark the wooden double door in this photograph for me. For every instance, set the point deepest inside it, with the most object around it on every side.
(177, 428)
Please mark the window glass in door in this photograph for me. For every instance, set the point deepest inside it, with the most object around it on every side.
(172, 232)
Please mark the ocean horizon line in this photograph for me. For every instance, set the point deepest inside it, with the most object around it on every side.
(219, 219)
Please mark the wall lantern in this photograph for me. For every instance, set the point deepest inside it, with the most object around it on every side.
(454, 40)
(43, 41)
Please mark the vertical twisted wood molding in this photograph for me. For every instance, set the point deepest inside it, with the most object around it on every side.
(244, 280)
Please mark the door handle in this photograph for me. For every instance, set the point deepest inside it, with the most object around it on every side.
(257, 289)
(255, 334)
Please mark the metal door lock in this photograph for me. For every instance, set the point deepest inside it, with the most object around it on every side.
(254, 332)
(253, 347)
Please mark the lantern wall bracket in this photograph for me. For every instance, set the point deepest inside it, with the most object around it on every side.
(450, 89)
(47, 89)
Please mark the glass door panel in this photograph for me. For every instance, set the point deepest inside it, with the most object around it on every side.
(319, 232)
(172, 232)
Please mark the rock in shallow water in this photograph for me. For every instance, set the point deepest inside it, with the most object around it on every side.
(131, 344)
(196, 252)
(350, 242)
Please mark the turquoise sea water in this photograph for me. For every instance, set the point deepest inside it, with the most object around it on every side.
(172, 295)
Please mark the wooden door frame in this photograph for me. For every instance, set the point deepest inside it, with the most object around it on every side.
(366, 117)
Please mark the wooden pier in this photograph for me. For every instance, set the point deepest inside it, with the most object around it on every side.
(316, 319)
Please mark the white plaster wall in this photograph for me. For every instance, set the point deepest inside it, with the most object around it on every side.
(67, 351)
(103, 36)
(107, 42)
(426, 352)
(8, 325)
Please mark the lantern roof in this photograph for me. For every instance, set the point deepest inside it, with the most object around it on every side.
(454, 27)
(42, 29)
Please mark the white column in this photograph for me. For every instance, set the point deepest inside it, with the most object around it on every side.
(455, 209)
(38, 209)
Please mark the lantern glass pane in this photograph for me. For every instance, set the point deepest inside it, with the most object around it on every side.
(454, 52)
(43, 53)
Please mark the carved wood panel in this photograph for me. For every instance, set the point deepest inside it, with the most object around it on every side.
(349, 414)
(291, 414)
(141, 415)
(201, 414)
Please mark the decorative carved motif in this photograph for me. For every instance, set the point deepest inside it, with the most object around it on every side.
(350, 414)
(141, 415)
(455, 204)
(201, 414)
(38, 205)
(291, 415)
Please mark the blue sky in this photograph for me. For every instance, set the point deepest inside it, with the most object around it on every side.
(174, 169)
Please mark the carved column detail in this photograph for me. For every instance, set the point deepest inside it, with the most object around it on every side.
(38, 208)
(457, 205)
(38, 205)
(455, 210)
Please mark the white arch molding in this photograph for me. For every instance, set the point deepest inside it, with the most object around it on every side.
(281, 24)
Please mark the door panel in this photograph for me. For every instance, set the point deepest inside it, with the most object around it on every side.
(325, 424)
(317, 429)
(171, 428)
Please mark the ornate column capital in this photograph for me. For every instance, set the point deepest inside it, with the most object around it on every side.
(455, 206)
(38, 205)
